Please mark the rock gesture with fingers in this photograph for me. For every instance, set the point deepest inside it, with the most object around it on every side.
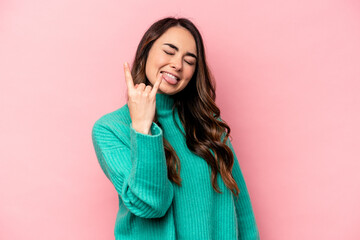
(141, 102)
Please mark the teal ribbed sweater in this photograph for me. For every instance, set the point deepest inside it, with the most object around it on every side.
(150, 205)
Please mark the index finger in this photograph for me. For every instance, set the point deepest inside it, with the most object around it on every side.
(128, 78)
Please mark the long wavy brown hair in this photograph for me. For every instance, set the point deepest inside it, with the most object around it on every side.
(198, 113)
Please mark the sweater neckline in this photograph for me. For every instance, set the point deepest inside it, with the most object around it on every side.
(164, 103)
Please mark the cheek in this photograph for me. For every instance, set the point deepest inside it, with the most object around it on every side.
(161, 59)
(155, 59)
(189, 73)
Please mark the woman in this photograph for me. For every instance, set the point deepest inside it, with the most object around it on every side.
(167, 152)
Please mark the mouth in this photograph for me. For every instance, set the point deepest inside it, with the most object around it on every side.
(175, 77)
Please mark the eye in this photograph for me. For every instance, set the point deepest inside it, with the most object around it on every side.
(168, 53)
(189, 63)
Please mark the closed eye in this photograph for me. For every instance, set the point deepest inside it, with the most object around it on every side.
(173, 54)
(168, 53)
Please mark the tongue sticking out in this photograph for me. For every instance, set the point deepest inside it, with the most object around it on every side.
(169, 79)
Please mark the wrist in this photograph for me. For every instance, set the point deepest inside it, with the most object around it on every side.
(143, 130)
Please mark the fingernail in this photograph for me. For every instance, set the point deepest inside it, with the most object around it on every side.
(125, 64)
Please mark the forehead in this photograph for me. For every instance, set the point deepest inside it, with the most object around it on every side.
(180, 37)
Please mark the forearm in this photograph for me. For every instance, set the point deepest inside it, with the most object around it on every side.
(138, 172)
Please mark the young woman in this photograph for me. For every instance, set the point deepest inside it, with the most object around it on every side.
(167, 151)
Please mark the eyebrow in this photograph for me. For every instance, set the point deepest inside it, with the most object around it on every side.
(177, 49)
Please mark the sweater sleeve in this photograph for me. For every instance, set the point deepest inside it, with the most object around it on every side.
(248, 229)
(137, 169)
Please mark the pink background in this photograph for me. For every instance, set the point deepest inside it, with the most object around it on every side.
(287, 77)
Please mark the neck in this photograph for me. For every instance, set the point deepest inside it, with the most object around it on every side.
(164, 103)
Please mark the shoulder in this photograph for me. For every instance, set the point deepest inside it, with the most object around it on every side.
(118, 116)
(116, 122)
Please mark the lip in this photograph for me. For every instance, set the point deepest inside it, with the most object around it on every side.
(177, 77)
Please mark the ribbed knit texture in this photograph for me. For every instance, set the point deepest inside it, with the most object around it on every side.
(153, 207)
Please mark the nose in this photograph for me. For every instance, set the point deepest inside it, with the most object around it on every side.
(176, 63)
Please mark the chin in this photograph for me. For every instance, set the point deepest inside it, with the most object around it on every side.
(170, 90)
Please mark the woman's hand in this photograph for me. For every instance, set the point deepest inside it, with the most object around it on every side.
(142, 102)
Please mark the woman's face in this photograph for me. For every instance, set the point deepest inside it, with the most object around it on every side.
(173, 58)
